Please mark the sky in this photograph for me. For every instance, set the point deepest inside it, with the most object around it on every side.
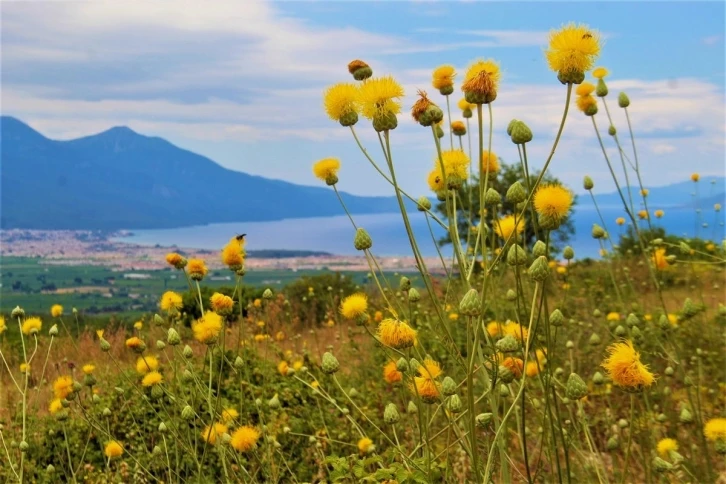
(242, 82)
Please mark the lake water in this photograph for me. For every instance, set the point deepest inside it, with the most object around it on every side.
(335, 234)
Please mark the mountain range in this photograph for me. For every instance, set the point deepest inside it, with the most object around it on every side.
(120, 179)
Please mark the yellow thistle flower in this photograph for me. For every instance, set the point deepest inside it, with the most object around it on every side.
(138, 325)
(56, 310)
(489, 162)
(585, 89)
(3, 327)
(354, 306)
(515, 330)
(113, 449)
(327, 169)
(715, 429)
(391, 373)
(613, 316)
(454, 316)
(378, 97)
(505, 226)
(717, 207)
(541, 356)
(624, 367)
(297, 364)
(99, 333)
(134, 342)
(229, 414)
(261, 337)
(572, 51)
(673, 319)
(600, 73)
(244, 438)
(562, 270)
(378, 316)
(233, 254)
(436, 180)
(146, 364)
(257, 303)
(665, 446)
(221, 303)
(152, 378)
(210, 434)
(88, 368)
(31, 326)
(515, 365)
(644, 192)
(63, 386)
(659, 259)
(396, 334)
(585, 102)
(280, 336)
(170, 300)
(197, 269)
(419, 107)
(458, 128)
(364, 445)
(695, 177)
(55, 406)
(481, 82)
(532, 369)
(494, 328)
(456, 163)
(283, 367)
(553, 202)
(443, 76)
(464, 105)
(659, 213)
(340, 100)
(174, 259)
(425, 385)
(206, 329)
(620, 220)
(643, 214)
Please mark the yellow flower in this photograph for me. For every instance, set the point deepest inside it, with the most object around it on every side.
(297, 364)
(613, 316)
(134, 343)
(206, 329)
(673, 319)
(244, 438)
(364, 445)
(642, 214)
(209, 434)
(443, 76)
(717, 207)
(665, 446)
(553, 201)
(648, 317)
(624, 367)
(197, 269)
(221, 303)
(55, 406)
(280, 336)
(715, 429)
(229, 414)
(99, 333)
(378, 97)
(456, 163)
(152, 378)
(659, 213)
(541, 356)
(489, 162)
(170, 300)
(257, 303)
(138, 325)
(327, 169)
(481, 82)
(454, 316)
(572, 50)
(515, 330)
(425, 385)
(233, 254)
(113, 449)
(354, 306)
(659, 259)
(515, 365)
(464, 105)
(695, 177)
(585, 102)
(283, 367)
(396, 334)
(174, 259)
(494, 328)
(146, 364)
(391, 373)
(644, 192)
(56, 310)
(88, 368)
(600, 73)
(458, 128)
(532, 369)
(3, 327)
(585, 89)
(562, 270)
(62, 386)
(31, 326)
(341, 100)
(436, 180)
(261, 337)
(505, 226)
(378, 316)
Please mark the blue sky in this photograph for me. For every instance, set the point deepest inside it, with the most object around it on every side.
(242, 82)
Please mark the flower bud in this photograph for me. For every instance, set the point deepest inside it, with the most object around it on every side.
(689, 309)
(187, 375)
(362, 240)
(492, 197)
(598, 378)
(412, 408)
(516, 193)
(53, 331)
(50, 469)
(594, 339)
(602, 89)
(521, 133)
(424, 204)
(516, 256)
(504, 391)
(620, 331)
(404, 284)
(510, 126)
(612, 131)
(162, 427)
(539, 249)
(160, 345)
(470, 304)
(18, 312)
(570, 344)
(390, 414)
(187, 352)
(597, 232)
(661, 466)
(505, 374)
(106, 412)
(568, 253)
(623, 100)
(187, 413)
(685, 417)
(576, 387)
(508, 344)
(385, 122)
(612, 443)
(267, 294)
(632, 320)
(539, 270)
(402, 365)
(454, 404)
(557, 318)
(448, 386)
(274, 402)
(511, 295)
(330, 363)
(414, 295)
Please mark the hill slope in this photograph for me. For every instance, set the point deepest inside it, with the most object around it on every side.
(121, 179)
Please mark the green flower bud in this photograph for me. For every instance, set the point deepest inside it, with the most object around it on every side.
(77, 387)
(504, 391)
(511, 295)
(539, 249)
(89, 380)
(720, 446)
(105, 345)
(466, 113)
(187, 413)
(267, 294)
(661, 417)
(385, 122)
(632, 320)
(612, 443)
(568, 253)
(597, 232)
(24, 446)
(505, 374)
(402, 365)
(50, 469)
(669, 371)
(448, 386)
(556, 318)
(612, 131)
(96, 398)
(157, 392)
(623, 100)
(106, 412)
(239, 363)
(454, 404)
(414, 295)
(570, 344)
(158, 320)
(156, 450)
(635, 333)
(516, 193)
(470, 304)
(591, 110)
(483, 420)
(689, 309)
(598, 378)
(685, 417)
(187, 375)
(172, 337)
(412, 408)
(516, 256)
(622, 423)
(587, 183)
(508, 344)
(404, 284)
(539, 270)
(594, 339)
(571, 77)
(390, 414)
(620, 331)
(160, 345)
(602, 89)
(424, 204)
(187, 352)
(661, 466)
(330, 363)
(520, 133)
(492, 197)
(274, 402)
(362, 240)
(576, 387)
(162, 427)
(53, 331)
(414, 364)
(18, 312)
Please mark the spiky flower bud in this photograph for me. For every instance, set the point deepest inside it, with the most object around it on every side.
(50, 469)
(492, 197)
(689, 308)
(511, 295)
(576, 387)
(18, 312)
(390, 414)
(448, 386)
(594, 339)
(404, 284)
(720, 446)
(160, 345)
(516, 256)
(612, 444)
(516, 193)
(105, 345)
(686, 416)
(362, 240)
(483, 419)
(508, 344)
(274, 402)
(557, 318)
(620, 331)
(385, 122)
(598, 378)
(24, 446)
(470, 304)
(172, 337)
(661, 466)
(157, 392)
(402, 365)
(669, 371)
(414, 295)
(414, 364)
(597, 232)
(623, 100)
(423, 204)
(454, 404)
(505, 374)
(267, 294)
(187, 413)
(162, 427)
(602, 89)
(539, 270)
(360, 70)
(504, 391)
(510, 126)
(539, 249)
(587, 183)
(53, 331)
(330, 363)
(187, 352)
(412, 408)
(521, 133)
(106, 412)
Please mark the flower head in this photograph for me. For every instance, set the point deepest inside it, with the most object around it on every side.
(229, 414)
(391, 373)
(695, 177)
(489, 162)
(170, 301)
(197, 269)
(643, 214)
(327, 170)
(210, 433)
(515, 365)
(138, 325)
(465, 105)
(55, 406)
(443, 77)
(665, 446)
(625, 369)
(56, 310)
(3, 327)
(436, 180)
(659, 213)
(572, 52)
(613, 316)
(283, 367)
(659, 259)
(585, 89)
(113, 449)
(152, 378)
(456, 163)
(88, 369)
(425, 385)
(341, 103)
(146, 364)
(515, 330)
(481, 82)
(587, 104)
(458, 128)
(600, 73)
(244, 438)
(176, 260)
(206, 329)
(354, 306)
(715, 429)
(531, 369)
(379, 97)
(365, 445)
(620, 220)
(135, 343)
(552, 203)
(396, 334)
(233, 254)
(221, 303)
(31, 326)
(505, 226)
(63, 386)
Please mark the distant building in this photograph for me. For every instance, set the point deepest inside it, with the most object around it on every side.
(134, 275)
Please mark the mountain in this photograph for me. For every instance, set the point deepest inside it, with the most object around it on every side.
(119, 179)
(710, 190)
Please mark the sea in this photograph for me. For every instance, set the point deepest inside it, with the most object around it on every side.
(335, 235)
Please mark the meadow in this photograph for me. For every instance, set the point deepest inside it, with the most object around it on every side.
(522, 363)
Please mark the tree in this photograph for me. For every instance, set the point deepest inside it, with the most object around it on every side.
(468, 196)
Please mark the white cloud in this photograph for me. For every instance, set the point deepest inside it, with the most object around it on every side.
(662, 148)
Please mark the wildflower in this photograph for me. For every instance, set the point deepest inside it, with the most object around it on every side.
(505, 226)
(360, 70)
(176, 260)
(599, 73)
(62, 386)
(456, 164)
(365, 445)
(297, 364)
(673, 319)
(436, 180)
(458, 128)
(587, 104)
(613, 316)
(135, 343)
(665, 446)
(465, 105)
(55, 406)
(378, 316)
(221, 303)
(138, 325)
(695, 177)
(715, 429)
(206, 329)
(572, 51)
(481, 82)
(532, 369)
(341, 103)
(425, 112)
(396, 334)
(489, 162)
(552, 203)
(717, 207)
(197, 269)
(659, 213)
(31, 326)
(56, 310)
(327, 170)
(113, 449)
(625, 369)
(229, 414)
(585, 89)
(644, 192)
(425, 385)
(378, 99)
(354, 306)
(643, 214)
(24, 367)
(210, 433)
(3, 327)
(659, 259)
(283, 367)
(443, 79)
(515, 365)
(493, 328)
(391, 373)
(244, 438)
(146, 364)
(170, 301)
(233, 254)
(620, 221)
(88, 369)
(152, 378)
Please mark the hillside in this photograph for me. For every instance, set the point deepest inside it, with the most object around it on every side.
(119, 179)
